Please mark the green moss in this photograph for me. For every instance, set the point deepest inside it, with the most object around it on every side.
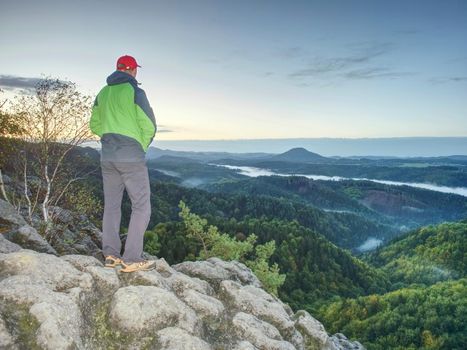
(106, 337)
(21, 325)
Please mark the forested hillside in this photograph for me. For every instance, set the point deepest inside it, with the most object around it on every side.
(426, 255)
(416, 317)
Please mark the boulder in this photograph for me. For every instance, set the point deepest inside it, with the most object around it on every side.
(105, 279)
(181, 282)
(341, 342)
(80, 262)
(314, 334)
(40, 316)
(257, 302)
(205, 306)
(27, 237)
(16, 230)
(215, 270)
(147, 309)
(172, 338)
(49, 270)
(6, 246)
(262, 335)
(9, 218)
(145, 278)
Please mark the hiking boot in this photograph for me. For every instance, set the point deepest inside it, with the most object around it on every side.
(111, 261)
(144, 265)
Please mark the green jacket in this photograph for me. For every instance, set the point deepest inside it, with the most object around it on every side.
(123, 118)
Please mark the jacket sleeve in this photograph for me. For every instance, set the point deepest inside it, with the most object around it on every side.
(95, 123)
(145, 118)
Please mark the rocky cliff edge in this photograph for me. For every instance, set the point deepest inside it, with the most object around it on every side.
(74, 302)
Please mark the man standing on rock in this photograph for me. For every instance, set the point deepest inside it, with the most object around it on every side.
(125, 122)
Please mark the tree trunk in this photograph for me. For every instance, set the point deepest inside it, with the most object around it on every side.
(45, 203)
(2, 186)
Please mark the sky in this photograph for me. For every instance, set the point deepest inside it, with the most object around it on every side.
(223, 70)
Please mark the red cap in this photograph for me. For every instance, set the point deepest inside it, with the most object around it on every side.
(127, 62)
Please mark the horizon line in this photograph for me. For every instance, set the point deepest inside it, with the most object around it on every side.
(321, 138)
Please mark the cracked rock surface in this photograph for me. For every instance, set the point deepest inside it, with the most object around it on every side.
(74, 302)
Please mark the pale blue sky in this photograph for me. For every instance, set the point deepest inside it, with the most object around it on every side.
(258, 69)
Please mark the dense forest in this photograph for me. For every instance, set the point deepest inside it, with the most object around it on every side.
(399, 206)
(415, 317)
(427, 308)
(427, 255)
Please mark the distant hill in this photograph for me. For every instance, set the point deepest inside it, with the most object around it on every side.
(299, 155)
(155, 153)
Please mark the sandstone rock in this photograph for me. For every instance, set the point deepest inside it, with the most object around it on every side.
(145, 278)
(16, 230)
(6, 340)
(146, 309)
(173, 338)
(181, 282)
(61, 323)
(73, 302)
(81, 261)
(51, 319)
(9, 218)
(245, 345)
(164, 268)
(57, 274)
(215, 270)
(28, 238)
(261, 334)
(341, 342)
(105, 279)
(6, 246)
(259, 303)
(315, 336)
(205, 306)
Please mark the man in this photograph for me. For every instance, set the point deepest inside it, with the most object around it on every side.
(124, 120)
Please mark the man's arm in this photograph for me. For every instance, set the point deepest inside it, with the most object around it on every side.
(145, 117)
(95, 122)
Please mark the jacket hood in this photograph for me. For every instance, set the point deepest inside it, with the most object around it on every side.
(119, 77)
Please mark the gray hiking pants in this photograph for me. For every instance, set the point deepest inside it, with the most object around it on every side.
(132, 176)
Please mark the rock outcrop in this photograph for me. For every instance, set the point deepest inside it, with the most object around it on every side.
(70, 233)
(15, 229)
(74, 302)
(51, 297)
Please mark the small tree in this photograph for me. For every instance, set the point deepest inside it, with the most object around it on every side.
(225, 247)
(54, 120)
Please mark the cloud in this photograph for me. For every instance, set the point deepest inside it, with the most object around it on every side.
(352, 66)
(163, 128)
(372, 73)
(11, 82)
(291, 52)
(444, 80)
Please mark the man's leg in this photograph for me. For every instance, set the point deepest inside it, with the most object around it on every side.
(113, 192)
(136, 179)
